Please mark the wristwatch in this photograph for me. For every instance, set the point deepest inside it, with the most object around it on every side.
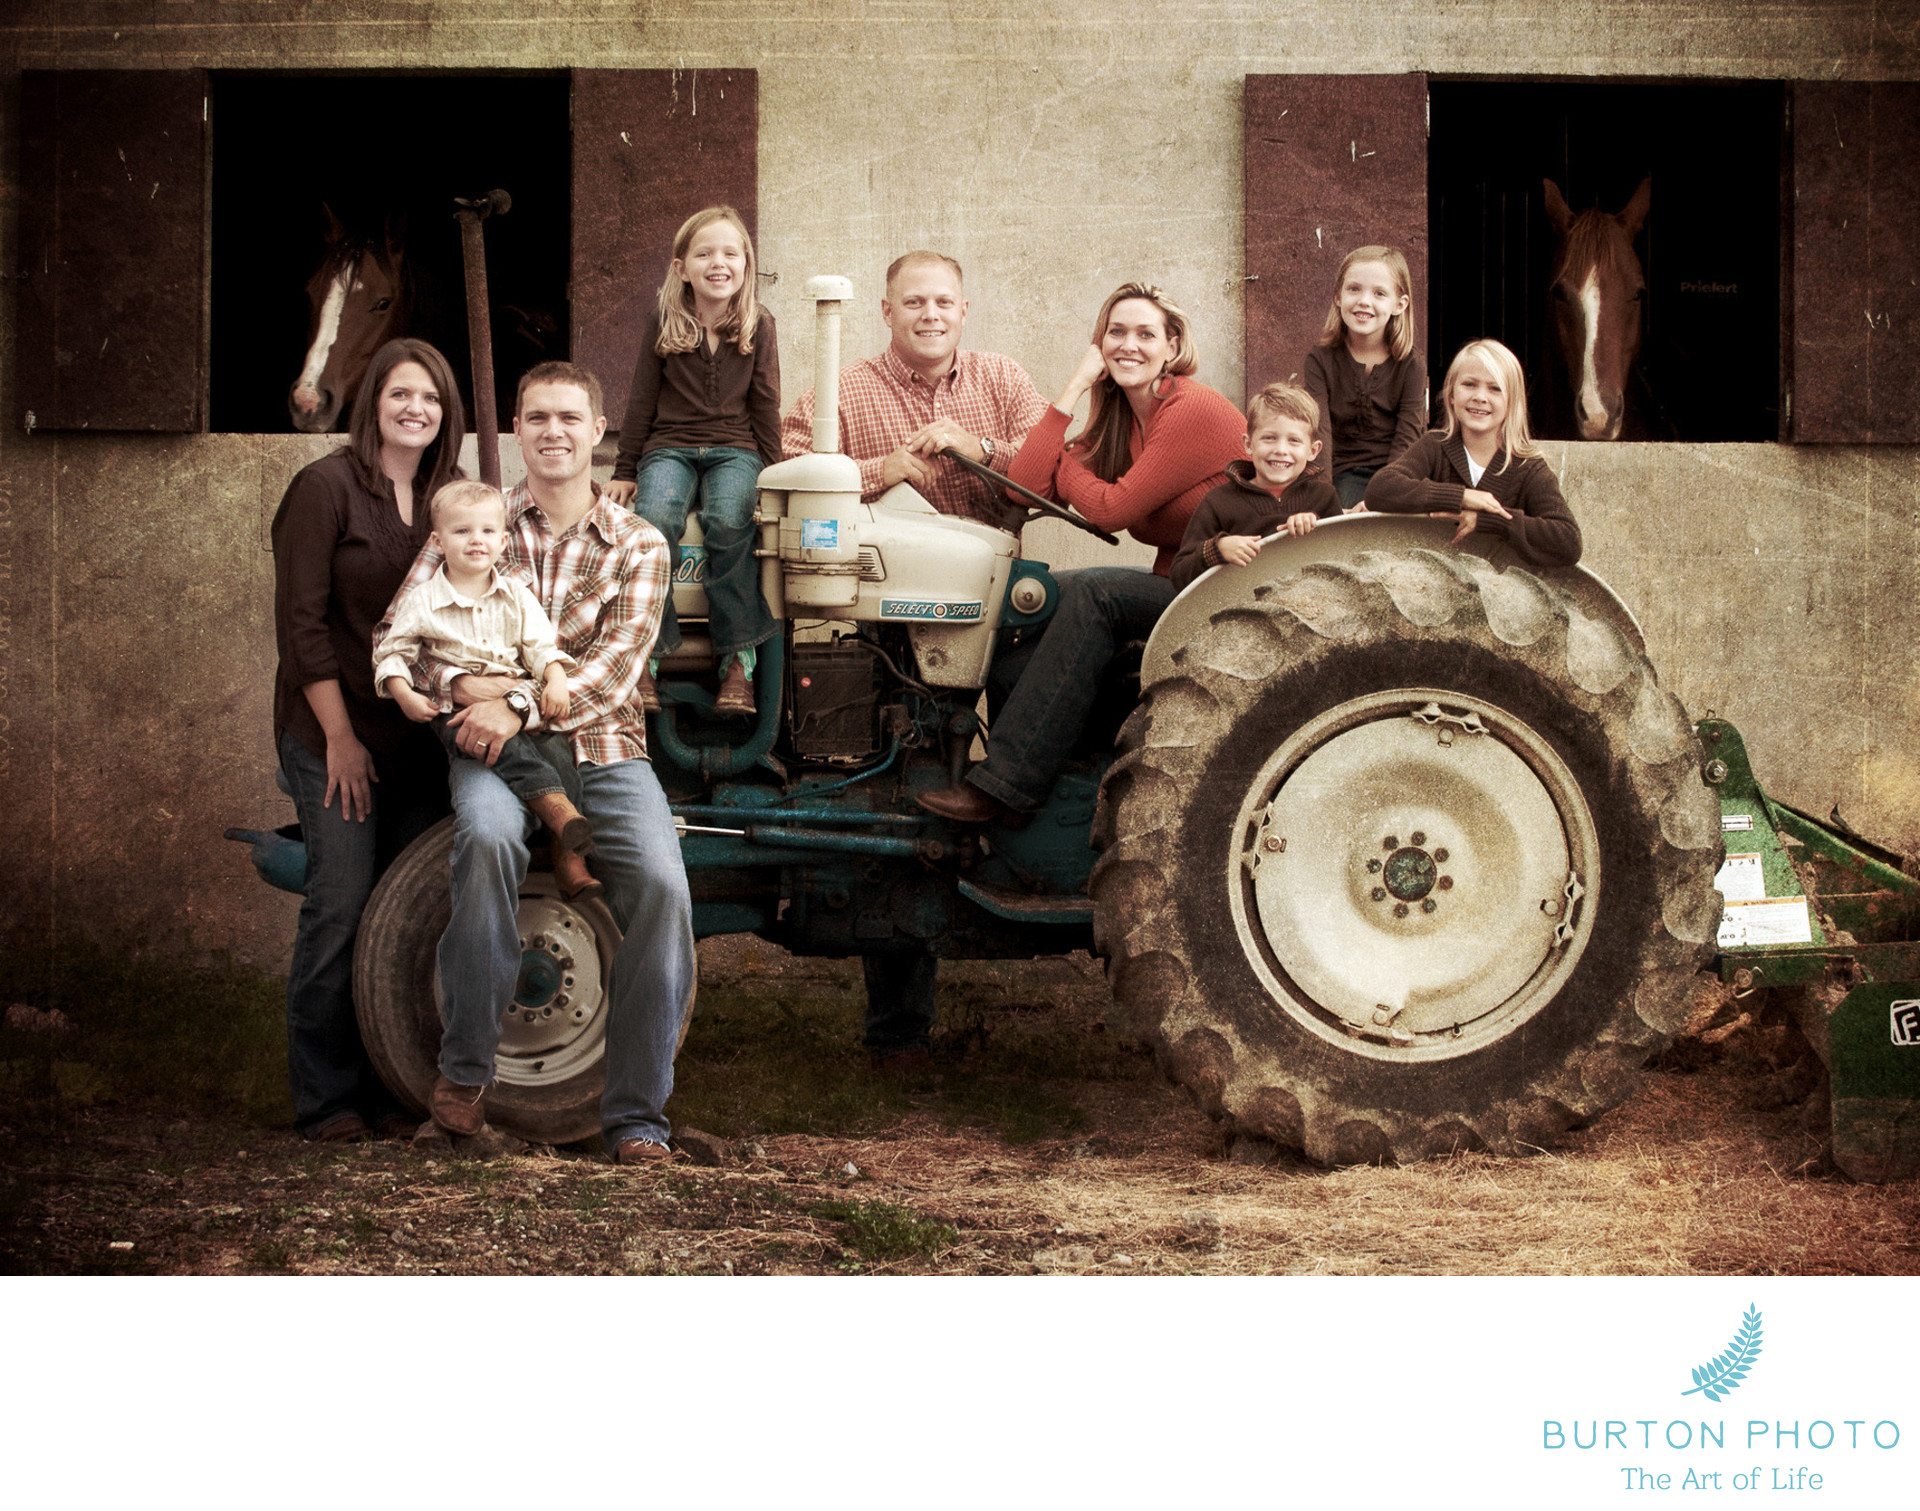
(521, 704)
(986, 448)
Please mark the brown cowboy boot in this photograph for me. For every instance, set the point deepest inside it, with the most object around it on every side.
(736, 692)
(570, 831)
(570, 873)
(572, 844)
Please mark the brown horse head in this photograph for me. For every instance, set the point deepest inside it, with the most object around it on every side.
(1597, 285)
(359, 298)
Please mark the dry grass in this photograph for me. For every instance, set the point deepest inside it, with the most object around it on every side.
(1045, 1148)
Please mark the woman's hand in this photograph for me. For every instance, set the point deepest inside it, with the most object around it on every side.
(1092, 366)
(350, 773)
(620, 492)
(1483, 502)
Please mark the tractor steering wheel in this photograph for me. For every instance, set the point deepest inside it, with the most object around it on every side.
(1034, 501)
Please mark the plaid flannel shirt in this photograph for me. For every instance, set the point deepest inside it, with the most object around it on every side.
(604, 585)
(883, 403)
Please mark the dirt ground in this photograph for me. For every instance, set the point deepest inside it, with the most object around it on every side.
(1040, 1146)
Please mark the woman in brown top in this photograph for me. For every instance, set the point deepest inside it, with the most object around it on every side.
(365, 781)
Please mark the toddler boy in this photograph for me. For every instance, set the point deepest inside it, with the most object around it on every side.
(470, 616)
(1278, 487)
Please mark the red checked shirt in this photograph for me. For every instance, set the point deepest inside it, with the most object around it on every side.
(884, 403)
(604, 585)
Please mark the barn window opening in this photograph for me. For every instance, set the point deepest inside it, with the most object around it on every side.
(361, 172)
(1702, 279)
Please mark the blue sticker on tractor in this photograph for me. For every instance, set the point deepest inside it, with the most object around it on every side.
(820, 535)
(928, 608)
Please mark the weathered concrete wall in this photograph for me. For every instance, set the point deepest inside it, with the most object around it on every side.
(1054, 152)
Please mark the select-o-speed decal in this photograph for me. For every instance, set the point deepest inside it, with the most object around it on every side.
(946, 612)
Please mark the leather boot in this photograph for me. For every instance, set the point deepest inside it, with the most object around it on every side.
(569, 830)
(570, 873)
(736, 692)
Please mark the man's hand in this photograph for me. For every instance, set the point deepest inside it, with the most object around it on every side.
(619, 492)
(484, 728)
(903, 466)
(931, 440)
(469, 689)
(1237, 550)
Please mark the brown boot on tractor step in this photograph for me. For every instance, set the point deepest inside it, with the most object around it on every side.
(570, 831)
(736, 692)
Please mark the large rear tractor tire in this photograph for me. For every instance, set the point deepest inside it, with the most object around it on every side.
(549, 1070)
(1403, 856)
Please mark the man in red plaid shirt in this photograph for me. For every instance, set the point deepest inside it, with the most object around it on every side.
(601, 573)
(897, 412)
(899, 409)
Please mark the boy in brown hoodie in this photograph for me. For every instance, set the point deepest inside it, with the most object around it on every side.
(1278, 488)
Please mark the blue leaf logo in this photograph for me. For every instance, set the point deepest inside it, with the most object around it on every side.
(1726, 1372)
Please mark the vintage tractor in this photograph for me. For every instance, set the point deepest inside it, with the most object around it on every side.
(1403, 850)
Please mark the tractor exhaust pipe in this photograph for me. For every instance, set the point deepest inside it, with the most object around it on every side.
(828, 292)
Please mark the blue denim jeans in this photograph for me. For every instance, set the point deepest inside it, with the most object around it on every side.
(1352, 486)
(1101, 610)
(722, 479)
(327, 1066)
(637, 855)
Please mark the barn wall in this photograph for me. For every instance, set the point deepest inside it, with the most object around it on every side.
(1054, 155)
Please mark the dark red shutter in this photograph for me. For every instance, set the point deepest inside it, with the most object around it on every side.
(113, 249)
(1333, 162)
(650, 147)
(1856, 244)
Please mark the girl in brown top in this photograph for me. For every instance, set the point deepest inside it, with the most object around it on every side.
(364, 781)
(702, 419)
(1483, 470)
(1366, 376)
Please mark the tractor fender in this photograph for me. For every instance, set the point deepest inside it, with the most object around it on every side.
(1342, 539)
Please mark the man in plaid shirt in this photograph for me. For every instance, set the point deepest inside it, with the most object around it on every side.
(899, 409)
(897, 412)
(601, 573)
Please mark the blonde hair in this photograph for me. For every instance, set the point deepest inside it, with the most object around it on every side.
(1109, 419)
(462, 492)
(1288, 400)
(1399, 333)
(1515, 438)
(908, 260)
(679, 327)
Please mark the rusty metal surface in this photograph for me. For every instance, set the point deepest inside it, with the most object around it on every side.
(650, 146)
(1856, 234)
(113, 251)
(1333, 162)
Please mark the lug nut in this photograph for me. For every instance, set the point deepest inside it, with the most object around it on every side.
(1399, 910)
(1440, 857)
(1273, 844)
(1390, 843)
(1445, 884)
(1419, 837)
(1373, 865)
(1379, 894)
(1428, 906)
